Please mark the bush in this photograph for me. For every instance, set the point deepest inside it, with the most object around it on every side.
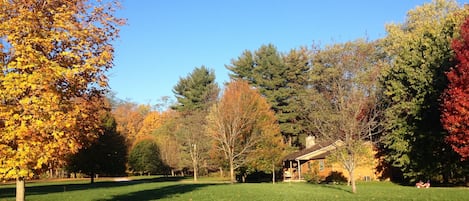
(313, 174)
(312, 177)
(336, 178)
(145, 158)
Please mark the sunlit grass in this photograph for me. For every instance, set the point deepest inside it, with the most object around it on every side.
(153, 188)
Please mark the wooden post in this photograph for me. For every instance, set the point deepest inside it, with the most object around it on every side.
(299, 169)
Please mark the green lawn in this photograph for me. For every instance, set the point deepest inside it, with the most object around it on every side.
(183, 189)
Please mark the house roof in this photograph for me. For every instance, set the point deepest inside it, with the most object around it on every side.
(317, 151)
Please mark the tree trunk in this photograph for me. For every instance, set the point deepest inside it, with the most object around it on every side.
(467, 180)
(232, 174)
(172, 172)
(195, 172)
(20, 188)
(273, 173)
(445, 178)
(92, 178)
(194, 156)
(221, 172)
(352, 181)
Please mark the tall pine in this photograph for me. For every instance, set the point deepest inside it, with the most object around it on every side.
(280, 78)
(197, 91)
(195, 94)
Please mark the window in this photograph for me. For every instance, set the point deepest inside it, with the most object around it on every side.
(321, 165)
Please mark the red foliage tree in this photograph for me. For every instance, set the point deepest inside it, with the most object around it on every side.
(455, 114)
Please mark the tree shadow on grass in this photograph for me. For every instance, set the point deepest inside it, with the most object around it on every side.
(172, 191)
(46, 188)
(337, 187)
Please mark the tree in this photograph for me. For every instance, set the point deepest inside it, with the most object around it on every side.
(193, 139)
(195, 94)
(107, 155)
(53, 53)
(290, 115)
(344, 100)
(280, 78)
(268, 154)
(163, 103)
(239, 122)
(419, 53)
(455, 114)
(167, 141)
(196, 91)
(130, 118)
(152, 121)
(145, 157)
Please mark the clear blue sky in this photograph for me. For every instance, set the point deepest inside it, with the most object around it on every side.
(166, 39)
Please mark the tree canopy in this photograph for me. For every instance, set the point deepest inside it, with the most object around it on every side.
(53, 55)
(239, 122)
(344, 99)
(281, 79)
(455, 114)
(106, 156)
(197, 91)
(145, 158)
(419, 54)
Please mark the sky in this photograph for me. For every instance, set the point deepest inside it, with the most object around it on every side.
(165, 40)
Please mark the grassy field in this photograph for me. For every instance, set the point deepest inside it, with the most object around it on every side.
(143, 189)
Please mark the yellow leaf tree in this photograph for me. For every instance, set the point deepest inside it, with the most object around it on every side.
(53, 58)
(152, 121)
(130, 118)
(240, 123)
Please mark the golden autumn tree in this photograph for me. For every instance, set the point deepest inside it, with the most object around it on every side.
(239, 123)
(53, 56)
(130, 118)
(152, 121)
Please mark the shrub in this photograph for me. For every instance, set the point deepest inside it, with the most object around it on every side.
(336, 178)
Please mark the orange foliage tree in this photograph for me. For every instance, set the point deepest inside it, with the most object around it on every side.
(130, 119)
(152, 121)
(239, 123)
(53, 54)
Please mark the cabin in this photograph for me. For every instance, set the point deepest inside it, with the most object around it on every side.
(312, 161)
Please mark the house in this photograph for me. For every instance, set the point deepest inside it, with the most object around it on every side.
(313, 160)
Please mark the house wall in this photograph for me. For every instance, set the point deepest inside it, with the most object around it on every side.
(323, 168)
(319, 167)
(361, 173)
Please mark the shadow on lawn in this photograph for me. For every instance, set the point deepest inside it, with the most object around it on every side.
(172, 191)
(9, 192)
(337, 187)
